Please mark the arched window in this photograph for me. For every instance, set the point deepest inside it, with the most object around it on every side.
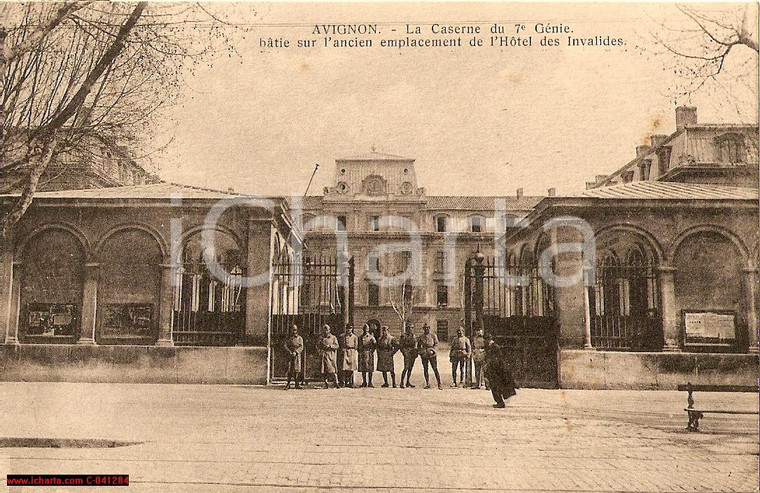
(476, 224)
(129, 287)
(209, 310)
(52, 283)
(624, 301)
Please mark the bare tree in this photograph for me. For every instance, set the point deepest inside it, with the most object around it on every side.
(77, 74)
(711, 44)
(402, 299)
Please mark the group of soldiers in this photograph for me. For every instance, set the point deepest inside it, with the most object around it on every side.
(340, 357)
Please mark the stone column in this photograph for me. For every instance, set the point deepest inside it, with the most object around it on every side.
(587, 310)
(569, 300)
(258, 296)
(14, 306)
(670, 325)
(89, 303)
(7, 326)
(165, 304)
(750, 294)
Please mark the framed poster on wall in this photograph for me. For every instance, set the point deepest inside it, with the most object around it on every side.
(715, 328)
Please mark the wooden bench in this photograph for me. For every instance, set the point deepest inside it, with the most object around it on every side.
(696, 413)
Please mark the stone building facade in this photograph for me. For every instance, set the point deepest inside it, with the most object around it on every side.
(375, 200)
(659, 260)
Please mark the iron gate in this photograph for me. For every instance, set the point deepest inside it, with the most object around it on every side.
(319, 291)
(515, 305)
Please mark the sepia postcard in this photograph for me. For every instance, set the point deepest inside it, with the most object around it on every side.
(379, 246)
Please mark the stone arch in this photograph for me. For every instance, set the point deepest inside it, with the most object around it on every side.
(188, 234)
(51, 278)
(712, 228)
(645, 236)
(129, 288)
(76, 232)
(710, 275)
(132, 226)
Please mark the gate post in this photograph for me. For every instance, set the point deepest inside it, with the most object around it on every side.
(479, 274)
(468, 296)
(351, 292)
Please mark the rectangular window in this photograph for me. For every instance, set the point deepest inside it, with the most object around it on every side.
(342, 223)
(374, 223)
(442, 295)
(440, 260)
(373, 294)
(476, 224)
(404, 260)
(442, 330)
(440, 224)
(373, 262)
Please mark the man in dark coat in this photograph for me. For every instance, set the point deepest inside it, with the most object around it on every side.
(408, 345)
(498, 373)
(294, 347)
(386, 348)
(367, 345)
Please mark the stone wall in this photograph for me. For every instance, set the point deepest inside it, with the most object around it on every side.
(580, 369)
(133, 364)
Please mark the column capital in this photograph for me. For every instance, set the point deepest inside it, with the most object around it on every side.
(666, 269)
(750, 270)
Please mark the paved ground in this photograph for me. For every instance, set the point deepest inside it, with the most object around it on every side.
(195, 438)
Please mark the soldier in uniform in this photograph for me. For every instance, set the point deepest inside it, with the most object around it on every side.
(426, 346)
(459, 356)
(328, 355)
(478, 357)
(498, 374)
(349, 360)
(386, 348)
(294, 347)
(367, 345)
(408, 346)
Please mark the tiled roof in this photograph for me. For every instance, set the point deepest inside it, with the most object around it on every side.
(375, 156)
(661, 190)
(161, 190)
(444, 202)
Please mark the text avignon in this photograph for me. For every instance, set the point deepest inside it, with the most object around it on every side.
(345, 29)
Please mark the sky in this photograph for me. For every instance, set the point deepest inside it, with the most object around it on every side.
(478, 121)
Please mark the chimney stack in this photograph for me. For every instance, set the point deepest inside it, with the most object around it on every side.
(643, 149)
(657, 139)
(685, 115)
(519, 193)
(552, 192)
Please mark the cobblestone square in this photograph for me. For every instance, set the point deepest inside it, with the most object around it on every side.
(245, 438)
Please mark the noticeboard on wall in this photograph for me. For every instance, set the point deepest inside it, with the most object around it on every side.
(127, 320)
(51, 319)
(709, 327)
